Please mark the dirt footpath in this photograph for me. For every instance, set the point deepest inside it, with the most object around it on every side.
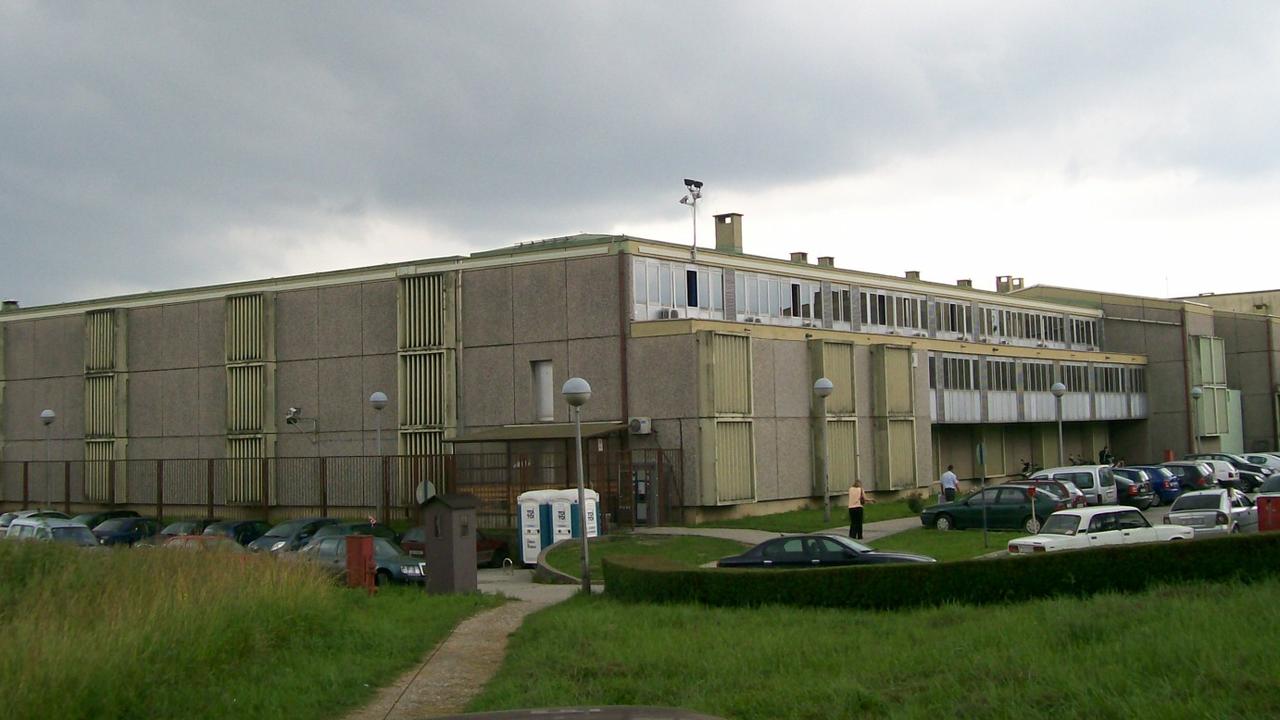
(457, 669)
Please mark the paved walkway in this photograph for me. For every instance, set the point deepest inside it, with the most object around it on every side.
(457, 669)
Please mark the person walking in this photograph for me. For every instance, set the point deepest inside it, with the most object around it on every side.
(949, 484)
(858, 498)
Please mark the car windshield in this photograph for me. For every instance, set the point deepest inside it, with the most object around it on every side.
(115, 525)
(383, 547)
(1197, 502)
(180, 528)
(414, 534)
(74, 536)
(220, 528)
(1061, 525)
(284, 530)
(85, 519)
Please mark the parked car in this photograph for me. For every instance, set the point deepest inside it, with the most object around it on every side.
(127, 531)
(819, 550)
(8, 519)
(57, 530)
(356, 528)
(490, 549)
(1096, 527)
(290, 536)
(242, 531)
(1270, 485)
(1238, 461)
(1007, 506)
(94, 519)
(1266, 460)
(1133, 487)
(1192, 475)
(1224, 473)
(1215, 512)
(1165, 487)
(1096, 481)
(394, 564)
(187, 527)
(1066, 490)
(220, 543)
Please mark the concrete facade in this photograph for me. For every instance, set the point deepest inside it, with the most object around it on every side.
(332, 339)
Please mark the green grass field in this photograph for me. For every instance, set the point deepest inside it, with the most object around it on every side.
(684, 549)
(175, 634)
(1174, 652)
(944, 546)
(804, 521)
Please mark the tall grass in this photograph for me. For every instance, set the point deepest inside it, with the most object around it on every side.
(1191, 651)
(168, 633)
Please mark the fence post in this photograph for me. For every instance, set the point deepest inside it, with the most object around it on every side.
(111, 482)
(266, 499)
(26, 483)
(66, 486)
(384, 489)
(208, 487)
(324, 487)
(159, 489)
(654, 498)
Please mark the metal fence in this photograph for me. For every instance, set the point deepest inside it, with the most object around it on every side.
(636, 487)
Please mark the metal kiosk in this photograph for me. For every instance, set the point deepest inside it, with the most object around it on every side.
(449, 529)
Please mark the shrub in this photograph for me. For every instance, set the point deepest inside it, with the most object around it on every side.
(915, 503)
(1081, 573)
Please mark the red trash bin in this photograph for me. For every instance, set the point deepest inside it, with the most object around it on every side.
(1268, 512)
(361, 571)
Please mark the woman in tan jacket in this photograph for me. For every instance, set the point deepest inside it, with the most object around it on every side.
(857, 499)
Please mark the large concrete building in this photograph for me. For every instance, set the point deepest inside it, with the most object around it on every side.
(254, 395)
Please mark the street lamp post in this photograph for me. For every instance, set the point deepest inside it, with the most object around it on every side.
(822, 387)
(378, 401)
(577, 392)
(1058, 390)
(47, 417)
(1196, 393)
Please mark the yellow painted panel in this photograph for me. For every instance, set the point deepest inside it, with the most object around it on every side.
(837, 363)
(898, 381)
(735, 461)
(732, 372)
(244, 470)
(100, 340)
(98, 456)
(842, 452)
(902, 453)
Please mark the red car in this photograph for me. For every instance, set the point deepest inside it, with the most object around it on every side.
(490, 551)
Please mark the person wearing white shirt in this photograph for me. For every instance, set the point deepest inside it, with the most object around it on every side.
(949, 484)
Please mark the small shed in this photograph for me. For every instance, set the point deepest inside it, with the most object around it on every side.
(449, 530)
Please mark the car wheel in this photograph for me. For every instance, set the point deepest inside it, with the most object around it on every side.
(1155, 499)
(1031, 525)
(944, 522)
(382, 578)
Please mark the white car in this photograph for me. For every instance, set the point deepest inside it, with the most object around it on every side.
(1224, 473)
(1215, 512)
(1264, 460)
(1096, 527)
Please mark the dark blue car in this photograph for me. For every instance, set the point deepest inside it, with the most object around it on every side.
(127, 530)
(1164, 484)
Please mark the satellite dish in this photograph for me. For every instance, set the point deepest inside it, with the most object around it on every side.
(425, 491)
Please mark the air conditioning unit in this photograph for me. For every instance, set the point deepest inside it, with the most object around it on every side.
(750, 320)
(668, 314)
(640, 426)
(757, 320)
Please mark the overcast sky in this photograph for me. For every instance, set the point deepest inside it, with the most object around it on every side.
(1112, 145)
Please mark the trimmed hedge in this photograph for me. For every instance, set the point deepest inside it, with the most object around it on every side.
(1000, 580)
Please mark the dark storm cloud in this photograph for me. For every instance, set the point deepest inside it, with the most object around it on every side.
(137, 141)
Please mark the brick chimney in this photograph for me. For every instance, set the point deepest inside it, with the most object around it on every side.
(964, 283)
(827, 261)
(799, 257)
(913, 274)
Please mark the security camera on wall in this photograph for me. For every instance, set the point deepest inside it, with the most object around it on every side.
(293, 415)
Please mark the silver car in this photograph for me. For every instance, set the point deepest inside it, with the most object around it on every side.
(1214, 512)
